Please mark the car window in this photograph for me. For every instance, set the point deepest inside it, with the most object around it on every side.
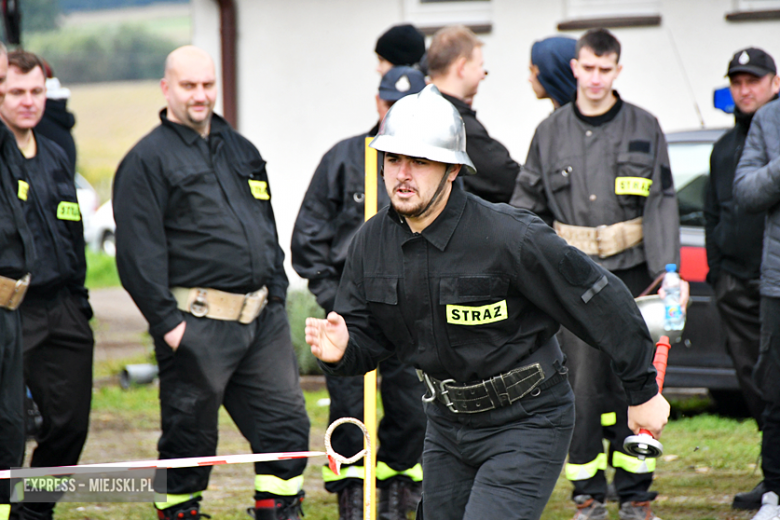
(690, 163)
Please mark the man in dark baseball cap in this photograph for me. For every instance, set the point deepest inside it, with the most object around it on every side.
(753, 61)
(399, 45)
(734, 237)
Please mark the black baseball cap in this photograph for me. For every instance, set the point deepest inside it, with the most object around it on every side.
(753, 61)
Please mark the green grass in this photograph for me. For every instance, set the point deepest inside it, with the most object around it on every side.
(101, 271)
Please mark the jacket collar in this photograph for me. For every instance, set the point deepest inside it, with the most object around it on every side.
(440, 231)
(462, 106)
(601, 119)
(187, 134)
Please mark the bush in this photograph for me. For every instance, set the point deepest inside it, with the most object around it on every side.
(301, 305)
(127, 52)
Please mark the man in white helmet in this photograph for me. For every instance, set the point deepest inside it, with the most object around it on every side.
(472, 293)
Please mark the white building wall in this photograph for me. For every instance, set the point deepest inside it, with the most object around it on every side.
(307, 80)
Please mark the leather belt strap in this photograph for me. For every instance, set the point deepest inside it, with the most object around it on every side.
(496, 392)
(221, 305)
(12, 291)
(602, 241)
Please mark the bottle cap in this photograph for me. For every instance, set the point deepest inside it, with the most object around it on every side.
(671, 268)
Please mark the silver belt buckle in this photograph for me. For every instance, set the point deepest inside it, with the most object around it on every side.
(200, 305)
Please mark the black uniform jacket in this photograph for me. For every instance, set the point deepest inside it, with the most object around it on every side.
(496, 170)
(332, 211)
(194, 212)
(16, 240)
(55, 220)
(734, 237)
(477, 292)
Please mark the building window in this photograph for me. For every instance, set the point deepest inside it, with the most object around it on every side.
(589, 14)
(431, 15)
(754, 10)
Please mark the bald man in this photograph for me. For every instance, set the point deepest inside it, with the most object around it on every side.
(198, 251)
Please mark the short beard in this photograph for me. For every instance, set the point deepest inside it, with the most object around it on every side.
(423, 208)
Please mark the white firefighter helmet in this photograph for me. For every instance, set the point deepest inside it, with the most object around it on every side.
(425, 125)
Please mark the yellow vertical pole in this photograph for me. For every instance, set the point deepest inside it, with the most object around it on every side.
(369, 386)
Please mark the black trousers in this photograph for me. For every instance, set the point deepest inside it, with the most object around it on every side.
(401, 431)
(11, 397)
(251, 370)
(501, 463)
(58, 354)
(767, 378)
(738, 303)
(598, 391)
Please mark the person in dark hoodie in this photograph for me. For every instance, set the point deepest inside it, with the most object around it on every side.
(734, 237)
(550, 75)
(57, 122)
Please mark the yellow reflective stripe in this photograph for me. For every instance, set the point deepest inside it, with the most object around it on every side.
(632, 186)
(586, 471)
(23, 189)
(346, 472)
(384, 472)
(277, 486)
(465, 315)
(632, 464)
(163, 501)
(608, 419)
(5, 511)
(68, 211)
(259, 189)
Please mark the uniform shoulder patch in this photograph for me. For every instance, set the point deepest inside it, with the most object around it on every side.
(639, 146)
(576, 268)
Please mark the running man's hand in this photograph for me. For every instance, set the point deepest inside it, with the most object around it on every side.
(328, 338)
(650, 415)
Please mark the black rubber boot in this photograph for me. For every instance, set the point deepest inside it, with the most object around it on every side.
(391, 501)
(278, 508)
(189, 510)
(351, 503)
(749, 499)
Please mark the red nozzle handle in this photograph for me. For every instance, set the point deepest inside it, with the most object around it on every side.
(660, 360)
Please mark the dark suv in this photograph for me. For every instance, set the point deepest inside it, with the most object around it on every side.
(699, 360)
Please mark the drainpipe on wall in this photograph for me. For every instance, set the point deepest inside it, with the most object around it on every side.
(228, 37)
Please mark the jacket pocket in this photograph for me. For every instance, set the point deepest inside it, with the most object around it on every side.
(633, 178)
(252, 176)
(382, 297)
(559, 178)
(475, 308)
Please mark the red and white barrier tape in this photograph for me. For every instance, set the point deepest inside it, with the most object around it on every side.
(188, 462)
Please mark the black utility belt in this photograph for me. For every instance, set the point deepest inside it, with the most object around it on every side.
(496, 392)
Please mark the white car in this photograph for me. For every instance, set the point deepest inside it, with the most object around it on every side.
(99, 232)
(88, 200)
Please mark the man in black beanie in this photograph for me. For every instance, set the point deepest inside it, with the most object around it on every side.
(399, 45)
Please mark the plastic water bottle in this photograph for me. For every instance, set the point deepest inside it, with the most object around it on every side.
(674, 319)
